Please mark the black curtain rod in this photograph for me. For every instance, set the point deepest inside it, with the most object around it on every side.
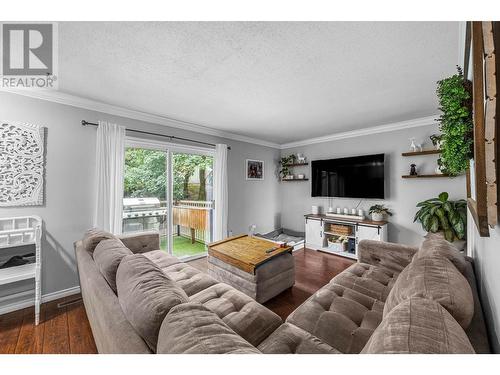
(85, 123)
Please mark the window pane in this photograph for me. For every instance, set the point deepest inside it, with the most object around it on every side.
(144, 198)
(192, 203)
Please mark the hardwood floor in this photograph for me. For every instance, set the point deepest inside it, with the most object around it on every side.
(63, 330)
(67, 330)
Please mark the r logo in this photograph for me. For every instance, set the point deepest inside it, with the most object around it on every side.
(27, 49)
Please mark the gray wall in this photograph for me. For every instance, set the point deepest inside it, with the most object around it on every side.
(70, 174)
(486, 254)
(401, 194)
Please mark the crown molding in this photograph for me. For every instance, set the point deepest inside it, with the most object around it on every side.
(423, 121)
(97, 106)
(94, 105)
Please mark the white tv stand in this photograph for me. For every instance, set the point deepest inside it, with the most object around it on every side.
(317, 233)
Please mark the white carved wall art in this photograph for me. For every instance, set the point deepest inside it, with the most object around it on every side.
(21, 164)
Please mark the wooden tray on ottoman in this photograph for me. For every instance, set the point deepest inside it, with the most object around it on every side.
(247, 265)
(245, 252)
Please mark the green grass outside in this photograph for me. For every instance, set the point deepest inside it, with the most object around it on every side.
(183, 247)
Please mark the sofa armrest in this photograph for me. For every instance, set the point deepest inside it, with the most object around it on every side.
(392, 256)
(141, 242)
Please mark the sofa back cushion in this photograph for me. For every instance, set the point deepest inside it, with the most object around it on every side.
(418, 326)
(93, 236)
(436, 246)
(107, 256)
(146, 295)
(437, 279)
(191, 328)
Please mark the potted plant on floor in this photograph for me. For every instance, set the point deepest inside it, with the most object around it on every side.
(378, 212)
(440, 215)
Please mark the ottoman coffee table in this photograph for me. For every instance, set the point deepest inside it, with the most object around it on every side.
(259, 268)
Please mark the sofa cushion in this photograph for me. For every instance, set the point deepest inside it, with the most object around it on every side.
(93, 236)
(418, 325)
(434, 278)
(146, 295)
(372, 281)
(107, 255)
(289, 339)
(437, 246)
(191, 328)
(246, 317)
(161, 258)
(341, 317)
(190, 279)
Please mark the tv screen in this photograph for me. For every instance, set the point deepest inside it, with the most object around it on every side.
(353, 177)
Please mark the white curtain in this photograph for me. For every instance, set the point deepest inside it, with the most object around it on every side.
(220, 192)
(110, 156)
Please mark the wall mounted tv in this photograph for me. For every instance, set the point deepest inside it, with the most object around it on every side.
(353, 177)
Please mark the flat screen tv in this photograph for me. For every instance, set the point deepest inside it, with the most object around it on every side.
(353, 177)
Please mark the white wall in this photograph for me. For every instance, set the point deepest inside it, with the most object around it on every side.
(70, 161)
(401, 194)
(486, 254)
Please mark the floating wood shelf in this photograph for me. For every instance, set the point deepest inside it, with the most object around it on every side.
(295, 165)
(423, 152)
(295, 179)
(426, 176)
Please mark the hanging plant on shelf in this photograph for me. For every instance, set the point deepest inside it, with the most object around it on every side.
(284, 165)
(455, 123)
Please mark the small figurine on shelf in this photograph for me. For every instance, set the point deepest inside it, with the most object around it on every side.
(413, 169)
(301, 159)
(413, 146)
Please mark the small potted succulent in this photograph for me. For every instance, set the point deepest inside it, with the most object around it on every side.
(436, 140)
(378, 212)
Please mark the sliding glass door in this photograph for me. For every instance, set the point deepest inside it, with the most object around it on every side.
(170, 189)
(192, 208)
(145, 204)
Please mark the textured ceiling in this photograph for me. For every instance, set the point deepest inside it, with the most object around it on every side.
(276, 81)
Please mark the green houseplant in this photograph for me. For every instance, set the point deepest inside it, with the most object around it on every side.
(455, 123)
(377, 211)
(442, 215)
(285, 161)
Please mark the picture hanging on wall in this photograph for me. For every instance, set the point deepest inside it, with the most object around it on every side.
(21, 164)
(254, 169)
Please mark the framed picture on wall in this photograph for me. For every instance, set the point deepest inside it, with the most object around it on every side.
(254, 169)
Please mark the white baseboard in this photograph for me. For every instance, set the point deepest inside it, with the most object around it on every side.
(30, 300)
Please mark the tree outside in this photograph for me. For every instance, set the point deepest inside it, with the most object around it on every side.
(145, 174)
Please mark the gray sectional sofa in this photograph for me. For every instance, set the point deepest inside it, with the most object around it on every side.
(395, 299)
